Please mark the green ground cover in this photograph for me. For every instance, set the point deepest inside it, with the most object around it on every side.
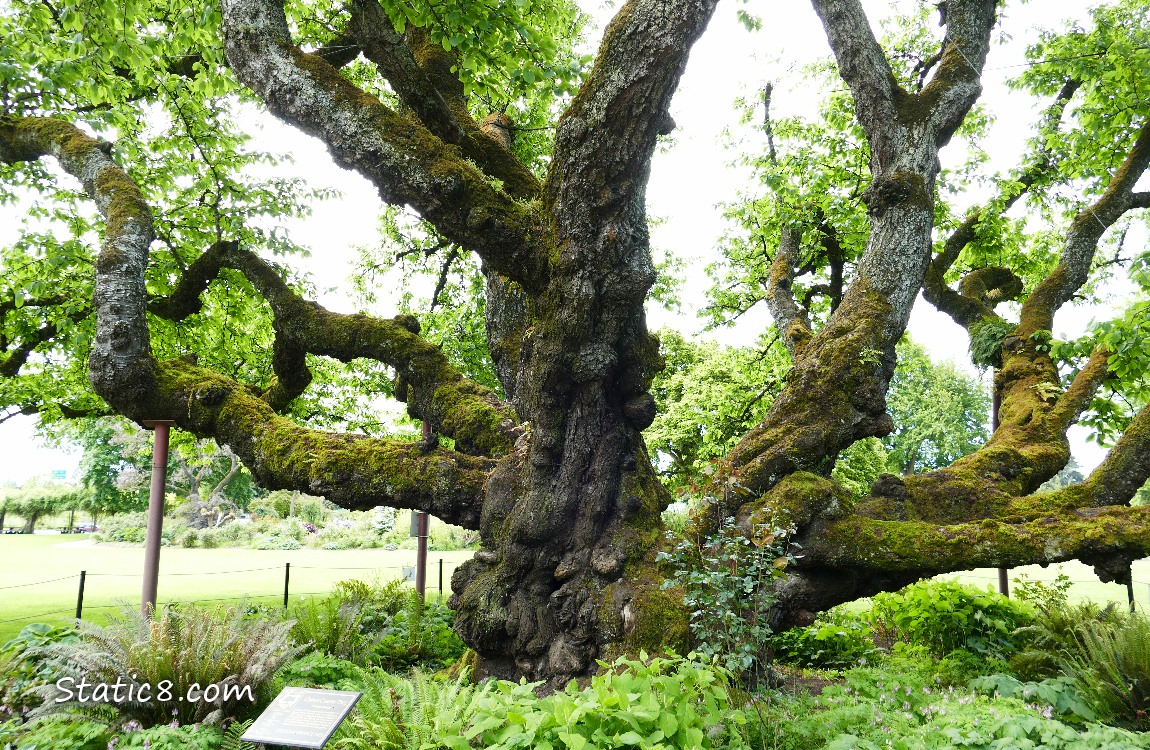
(39, 574)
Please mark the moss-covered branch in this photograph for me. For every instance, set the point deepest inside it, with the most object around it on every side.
(606, 137)
(791, 319)
(352, 470)
(120, 367)
(1114, 482)
(385, 47)
(1081, 240)
(957, 81)
(447, 117)
(398, 154)
(925, 549)
(963, 308)
(434, 390)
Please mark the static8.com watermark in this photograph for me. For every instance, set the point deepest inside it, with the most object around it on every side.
(164, 691)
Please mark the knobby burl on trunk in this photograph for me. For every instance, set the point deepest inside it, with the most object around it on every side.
(557, 480)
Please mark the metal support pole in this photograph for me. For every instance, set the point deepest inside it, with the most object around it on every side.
(995, 403)
(287, 578)
(155, 515)
(441, 578)
(422, 524)
(80, 595)
(421, 553)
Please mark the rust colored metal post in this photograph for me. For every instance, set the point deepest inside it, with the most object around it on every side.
(155, 515)
(422, 524)
(995, 402)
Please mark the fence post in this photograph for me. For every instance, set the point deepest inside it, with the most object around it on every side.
(1130, 594)
(287, 577)
(80, 595)
(441, 578)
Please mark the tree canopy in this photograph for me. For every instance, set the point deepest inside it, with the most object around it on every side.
(152, 279)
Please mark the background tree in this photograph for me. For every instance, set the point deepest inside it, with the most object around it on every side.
(186, 312)
(38, 499)
(116, 463)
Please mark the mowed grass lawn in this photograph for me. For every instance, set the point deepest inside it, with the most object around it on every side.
(40, 575)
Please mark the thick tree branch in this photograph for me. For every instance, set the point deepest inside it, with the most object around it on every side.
(1081, 240)
(791, 319)
(385, 47)
(446, 117)
(120, 366)
(406, 163)
(1078, 396)
(960, 308)
(17, 356)
(434, 390)
(862, 64)
(606, 137)
(925, 548)
(956, 83)
(353, 471)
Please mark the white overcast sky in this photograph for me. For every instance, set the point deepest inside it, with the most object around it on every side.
(688, 180)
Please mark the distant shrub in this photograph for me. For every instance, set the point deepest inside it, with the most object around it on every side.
(124, 528)
(836, 639)
(945, 616)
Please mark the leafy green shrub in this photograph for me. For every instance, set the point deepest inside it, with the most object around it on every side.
(181, 737)
(178, 647)
(836, 639)
(960, 666)
(411, 713)
(23, 670)
(311, 510)
(1111, 668)
(275, 541)
(235, 534)
(899, 705)
(70, 733)
(726, 582)
(945, 616)
(669, 702)
(420, 634)
(209, 538)
(380, 601)
(59, 733)
(322, 671)
(125, 528)
(263, 507)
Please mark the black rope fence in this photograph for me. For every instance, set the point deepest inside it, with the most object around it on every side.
(407, 572)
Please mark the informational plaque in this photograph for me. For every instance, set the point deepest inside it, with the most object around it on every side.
(301, 717)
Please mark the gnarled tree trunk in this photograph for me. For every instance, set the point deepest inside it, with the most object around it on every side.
(557, 480)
